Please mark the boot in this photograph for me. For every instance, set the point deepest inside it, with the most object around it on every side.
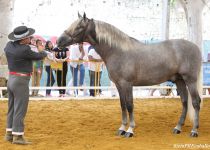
(19, 139)
(8, 136)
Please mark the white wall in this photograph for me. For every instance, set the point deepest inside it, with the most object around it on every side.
(140, 19)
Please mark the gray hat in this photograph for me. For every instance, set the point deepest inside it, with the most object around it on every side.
(21, 32)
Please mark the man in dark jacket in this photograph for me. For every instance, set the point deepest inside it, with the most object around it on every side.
(19, 57)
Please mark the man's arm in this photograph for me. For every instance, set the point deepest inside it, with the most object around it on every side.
(90, 57)
(81, 49)
(29, 54)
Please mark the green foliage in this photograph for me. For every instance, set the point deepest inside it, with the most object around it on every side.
(172, 2)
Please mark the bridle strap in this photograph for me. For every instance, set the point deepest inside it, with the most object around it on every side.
(71, 36)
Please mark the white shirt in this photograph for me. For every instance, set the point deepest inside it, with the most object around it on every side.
(75, 54)
(34, 48)
(49, 58)
(85, 47)
(94, 66)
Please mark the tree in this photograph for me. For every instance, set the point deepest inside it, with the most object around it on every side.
(166, 19)
(6, 13)
(193, 10)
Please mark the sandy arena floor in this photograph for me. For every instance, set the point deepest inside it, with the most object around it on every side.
(92, 124)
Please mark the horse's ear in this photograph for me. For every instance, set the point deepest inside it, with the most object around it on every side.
(79, 16)
(84, 16)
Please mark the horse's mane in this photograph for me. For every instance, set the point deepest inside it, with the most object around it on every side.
(73, 26)
(114, 37)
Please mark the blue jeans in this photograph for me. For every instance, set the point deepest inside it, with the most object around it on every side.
(95, 80)
(74, 72)
(50, 78)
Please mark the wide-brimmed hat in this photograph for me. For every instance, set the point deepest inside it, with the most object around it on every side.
(21, 32)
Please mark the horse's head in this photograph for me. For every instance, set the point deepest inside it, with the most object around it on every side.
(80, 30)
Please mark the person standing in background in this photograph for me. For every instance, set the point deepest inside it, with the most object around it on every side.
(208, 60)
(113, 91)
(37, 70)
(95, 70)
(20, 59)
(48, 69)
(61, 55)
(76, 64)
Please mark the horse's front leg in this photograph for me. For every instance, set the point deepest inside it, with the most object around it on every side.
(122, 129)
(126, 101)
(130, 106)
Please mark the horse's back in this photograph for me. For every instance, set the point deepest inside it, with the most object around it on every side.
(156, 63)
(188, 57)
(182, 50)
(165, 60)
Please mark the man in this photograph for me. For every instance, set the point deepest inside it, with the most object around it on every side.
(95, 70)
(19, 57)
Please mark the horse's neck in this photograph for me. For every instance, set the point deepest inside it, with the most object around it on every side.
(109, 35)
(104, 51)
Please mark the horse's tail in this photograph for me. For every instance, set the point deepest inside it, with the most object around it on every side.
(191, 111)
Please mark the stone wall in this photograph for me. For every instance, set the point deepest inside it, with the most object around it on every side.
(141, 19)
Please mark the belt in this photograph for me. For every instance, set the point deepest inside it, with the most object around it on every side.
(20, 74)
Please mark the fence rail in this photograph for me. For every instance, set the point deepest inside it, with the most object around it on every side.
(105, 86)
(135, 89)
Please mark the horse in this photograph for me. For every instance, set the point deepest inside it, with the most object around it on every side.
(132, 63)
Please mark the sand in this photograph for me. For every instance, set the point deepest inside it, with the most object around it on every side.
(92, 125)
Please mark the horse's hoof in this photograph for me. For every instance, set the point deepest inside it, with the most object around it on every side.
(176, 131)
(121, 132)
(194, 134)
(128, 135)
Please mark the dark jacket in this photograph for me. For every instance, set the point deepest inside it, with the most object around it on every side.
(20, 57)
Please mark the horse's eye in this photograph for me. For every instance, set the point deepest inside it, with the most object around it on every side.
(80, 27)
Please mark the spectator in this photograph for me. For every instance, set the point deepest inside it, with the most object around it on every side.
(61, 55)
(208, 60)
(166, 92)
(113, 91)
(37, 69)
(163, 92)
(151, 92)
(70, 84)
(76, 55)
(47, 62)
(95, 70)
(19, 57)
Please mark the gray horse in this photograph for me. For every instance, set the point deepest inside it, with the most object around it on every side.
(132, 63)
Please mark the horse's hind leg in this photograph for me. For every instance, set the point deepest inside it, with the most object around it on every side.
(192, 87)
(182, 90)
